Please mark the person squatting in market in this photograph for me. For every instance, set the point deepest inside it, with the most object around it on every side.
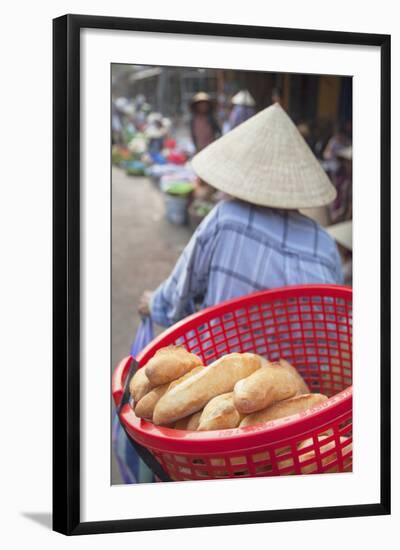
(256, 239)
(155, 132)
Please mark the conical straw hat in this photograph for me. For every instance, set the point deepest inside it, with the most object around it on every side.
(346, 153)
(266, 161)
(342, 233)
(243, 97)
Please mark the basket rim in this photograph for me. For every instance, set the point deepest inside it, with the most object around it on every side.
(189, 442)
(236, 439)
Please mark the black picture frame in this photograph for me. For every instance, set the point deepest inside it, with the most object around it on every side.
(66, 273)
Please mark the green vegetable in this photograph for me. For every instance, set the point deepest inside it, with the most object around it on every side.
(180, 188)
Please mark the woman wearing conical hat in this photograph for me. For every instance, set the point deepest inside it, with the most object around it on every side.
(242, 108)
(256, 239)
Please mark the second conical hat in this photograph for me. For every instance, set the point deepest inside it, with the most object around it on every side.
(266, 161)
(243, 97)
(342, 233)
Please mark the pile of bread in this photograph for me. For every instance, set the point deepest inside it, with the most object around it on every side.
(174, 389)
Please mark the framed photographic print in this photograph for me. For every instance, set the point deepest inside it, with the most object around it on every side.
(221, 326)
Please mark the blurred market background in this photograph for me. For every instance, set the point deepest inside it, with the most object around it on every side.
(160, 117)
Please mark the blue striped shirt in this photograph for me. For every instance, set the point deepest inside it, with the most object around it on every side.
(240, 248)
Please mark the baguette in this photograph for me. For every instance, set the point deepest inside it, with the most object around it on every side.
(285, 408)
(139, 385)
(194, 421)
(170, 363)
(220, 413)
(189, 422)
(194, 393)
(274, 382)
(302, 385)
(184, 377)
(181, 424)
(145, 407)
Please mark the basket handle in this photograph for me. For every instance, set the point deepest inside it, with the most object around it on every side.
(126, 369)
(118, 379)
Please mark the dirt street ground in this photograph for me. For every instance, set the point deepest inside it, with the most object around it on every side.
(145, 247)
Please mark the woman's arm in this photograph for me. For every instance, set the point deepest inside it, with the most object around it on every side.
(174, 298)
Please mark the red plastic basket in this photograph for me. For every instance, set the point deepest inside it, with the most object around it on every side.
(311, 327)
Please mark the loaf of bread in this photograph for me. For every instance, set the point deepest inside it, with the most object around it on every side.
(139, 385)
(220, 413)
(170, 363)
(273, 382)
(184, 377)
(181, 424)
(302, 386)
(190, 422)
(145, 407)
(194, 393)
(194, 421)
(285, 408)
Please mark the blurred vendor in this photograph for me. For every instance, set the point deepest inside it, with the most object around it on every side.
(203, 125)
(337, 142)
(276, 95)
(342, 207)
(243, 108)
(256, 239)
